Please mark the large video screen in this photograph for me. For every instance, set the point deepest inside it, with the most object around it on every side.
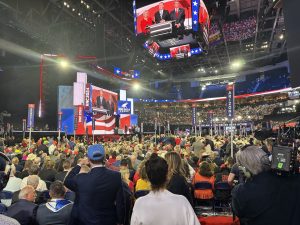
(155, 12)
(163, 25)
(104, 101)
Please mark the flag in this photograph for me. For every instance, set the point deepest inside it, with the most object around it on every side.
(136, 74)
(117, 71)
(195, 14)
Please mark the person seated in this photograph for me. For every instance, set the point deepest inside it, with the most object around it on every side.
(33, 180)
(13, 183)
(142, 183)
(25, 171)
(24, 209)
(146, 21)
(34, 170)
(66, 168)
(204, 174)
(48, 173)
(125, 177)
(177, 180)
(57, 210)
(161, 206)
(161, 15)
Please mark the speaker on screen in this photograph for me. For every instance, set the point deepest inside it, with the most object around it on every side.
(292, 18)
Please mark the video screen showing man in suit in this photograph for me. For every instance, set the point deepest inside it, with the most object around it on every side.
(111, 106)
(178, 15)
(161, 15)
(101, 102)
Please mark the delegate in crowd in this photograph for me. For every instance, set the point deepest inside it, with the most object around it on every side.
(125, 181)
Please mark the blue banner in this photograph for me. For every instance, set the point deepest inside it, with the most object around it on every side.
(30, 118)
(195, 14)
(134, 16)
(124, 107)
(194, 116)
(230, 101)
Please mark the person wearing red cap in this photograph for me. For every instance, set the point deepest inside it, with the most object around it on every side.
(99, 193)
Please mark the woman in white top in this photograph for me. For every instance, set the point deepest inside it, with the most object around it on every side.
(13, 183)
(161, 206)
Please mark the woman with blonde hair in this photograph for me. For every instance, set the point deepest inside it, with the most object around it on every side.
(177, 182)
(142, 183)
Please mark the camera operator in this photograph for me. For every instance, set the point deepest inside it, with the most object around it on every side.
(265, 198)
(3, 181)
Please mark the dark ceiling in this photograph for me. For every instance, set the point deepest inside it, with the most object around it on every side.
(104, 28)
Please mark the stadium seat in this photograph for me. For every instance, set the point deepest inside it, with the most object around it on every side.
(204, 205)
(6, 197)
(222, 197)
(140, 193)
(3, 208)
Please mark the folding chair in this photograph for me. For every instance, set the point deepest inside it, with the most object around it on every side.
(204, 205)
(6, 197)
(223, 197)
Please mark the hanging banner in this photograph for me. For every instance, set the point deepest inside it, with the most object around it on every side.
(194, 116)
(24, 125)
(93, 123)
(230, 101)
(155, 124)
(87, 102)
(59, 121)
(30, 118)
(142, 127)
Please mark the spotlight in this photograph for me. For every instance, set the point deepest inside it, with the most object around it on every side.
(73, 9)
(79, 14)
(136, 86)
(64, 63)
(87, 6)
(237, 64)
(216, 71)
(65, 3)
(281, 37)
(203, 88)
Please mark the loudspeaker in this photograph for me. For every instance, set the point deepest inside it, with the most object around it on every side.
(292, 17)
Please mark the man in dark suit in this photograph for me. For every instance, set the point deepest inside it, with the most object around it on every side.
(101, 102)
(161, 15)
(99, 193)
(111, 106)
(178, 15)
(23, 210)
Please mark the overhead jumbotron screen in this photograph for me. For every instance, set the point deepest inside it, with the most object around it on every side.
(162, 25)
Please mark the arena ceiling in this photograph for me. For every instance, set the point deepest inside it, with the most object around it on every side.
(104, 28)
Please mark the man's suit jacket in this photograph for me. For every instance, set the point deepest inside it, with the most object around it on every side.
(181, 16)
(165, 16)
(23, 211)
(99, 196)
(101, 103)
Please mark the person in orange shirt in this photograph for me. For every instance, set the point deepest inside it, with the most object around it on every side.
(146, 21)
(204, 174)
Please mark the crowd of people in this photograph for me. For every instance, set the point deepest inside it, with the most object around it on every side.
(236, 31)
(132, 181)
(183, 115)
